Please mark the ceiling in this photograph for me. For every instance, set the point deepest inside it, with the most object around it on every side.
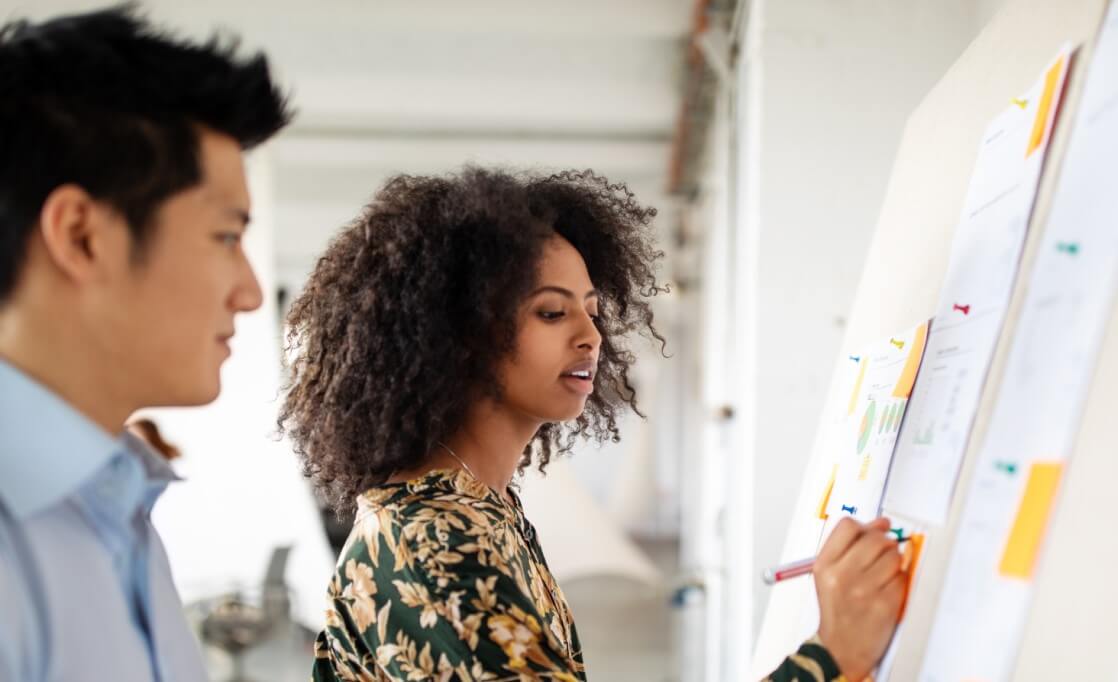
(385, 86)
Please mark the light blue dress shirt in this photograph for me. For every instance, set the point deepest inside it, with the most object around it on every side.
(85, 587)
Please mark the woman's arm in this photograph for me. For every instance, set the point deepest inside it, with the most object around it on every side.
(860, 584)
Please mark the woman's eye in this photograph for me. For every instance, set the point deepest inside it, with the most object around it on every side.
(551, 315)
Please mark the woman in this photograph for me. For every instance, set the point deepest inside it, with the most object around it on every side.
(463, 328)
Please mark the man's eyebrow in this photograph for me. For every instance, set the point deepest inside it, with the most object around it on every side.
(241, 215)
(566, 293)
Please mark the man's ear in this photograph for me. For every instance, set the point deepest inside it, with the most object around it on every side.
(80, 233)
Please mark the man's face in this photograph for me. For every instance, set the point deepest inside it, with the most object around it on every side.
(167, 313)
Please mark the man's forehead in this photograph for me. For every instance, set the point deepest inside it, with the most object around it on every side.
(223, 173)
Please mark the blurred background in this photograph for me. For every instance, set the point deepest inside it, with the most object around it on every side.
(762, 130)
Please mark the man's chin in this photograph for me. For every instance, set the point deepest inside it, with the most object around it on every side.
(199, 395)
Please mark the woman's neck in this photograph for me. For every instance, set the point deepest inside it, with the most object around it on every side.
(490, 444)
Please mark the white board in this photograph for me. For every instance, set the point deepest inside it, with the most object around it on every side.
(1075, 597)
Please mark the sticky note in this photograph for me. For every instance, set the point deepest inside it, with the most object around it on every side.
(1023, 544)
(903, 389)
(821, 512)
(864, 470)
(1047, 101)
(909, 563)
(857, 387)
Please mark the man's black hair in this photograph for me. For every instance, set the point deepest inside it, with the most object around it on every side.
(106, 101)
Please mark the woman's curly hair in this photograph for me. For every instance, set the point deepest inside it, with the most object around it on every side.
(408, 313)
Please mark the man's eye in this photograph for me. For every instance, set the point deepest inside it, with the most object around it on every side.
(228, 238)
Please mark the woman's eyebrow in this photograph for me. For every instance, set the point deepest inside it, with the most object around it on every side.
(566, 293)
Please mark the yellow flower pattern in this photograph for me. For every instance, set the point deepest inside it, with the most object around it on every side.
(441, 579)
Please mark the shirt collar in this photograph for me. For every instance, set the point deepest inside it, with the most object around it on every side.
(157, 471)
(456, 481)
(48, 449)
(129, 484)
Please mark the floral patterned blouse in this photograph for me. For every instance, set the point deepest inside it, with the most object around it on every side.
(442, 579)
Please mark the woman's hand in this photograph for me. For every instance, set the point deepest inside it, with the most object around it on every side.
(860, 584)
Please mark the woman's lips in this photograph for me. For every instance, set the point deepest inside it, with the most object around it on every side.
(579, 385)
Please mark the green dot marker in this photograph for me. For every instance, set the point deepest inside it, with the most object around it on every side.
(1007, 467)
(1070, 248)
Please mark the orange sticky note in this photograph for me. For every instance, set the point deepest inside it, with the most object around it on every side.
(903, 389)
(1019, 557)
(822, 511)
(1047, 100)
(909, 562)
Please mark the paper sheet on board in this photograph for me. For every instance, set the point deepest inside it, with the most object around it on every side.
(985, 253)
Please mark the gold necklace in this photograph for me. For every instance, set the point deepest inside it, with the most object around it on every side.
(453, 454)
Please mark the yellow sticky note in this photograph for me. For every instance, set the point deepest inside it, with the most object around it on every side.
(1023, 544)
(1047, 101)
(903, 389)
(822, 511)
(864, 362)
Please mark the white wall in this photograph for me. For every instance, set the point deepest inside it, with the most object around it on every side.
(986, 10)
(823, 93)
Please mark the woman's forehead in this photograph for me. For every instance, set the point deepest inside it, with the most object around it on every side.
(561, 261)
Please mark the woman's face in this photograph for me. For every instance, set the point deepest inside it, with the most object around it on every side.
(551, 373)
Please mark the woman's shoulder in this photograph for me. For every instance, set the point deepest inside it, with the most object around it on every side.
(439, 524)
(446, 494)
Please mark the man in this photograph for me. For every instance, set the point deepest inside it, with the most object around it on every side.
(122, 206)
